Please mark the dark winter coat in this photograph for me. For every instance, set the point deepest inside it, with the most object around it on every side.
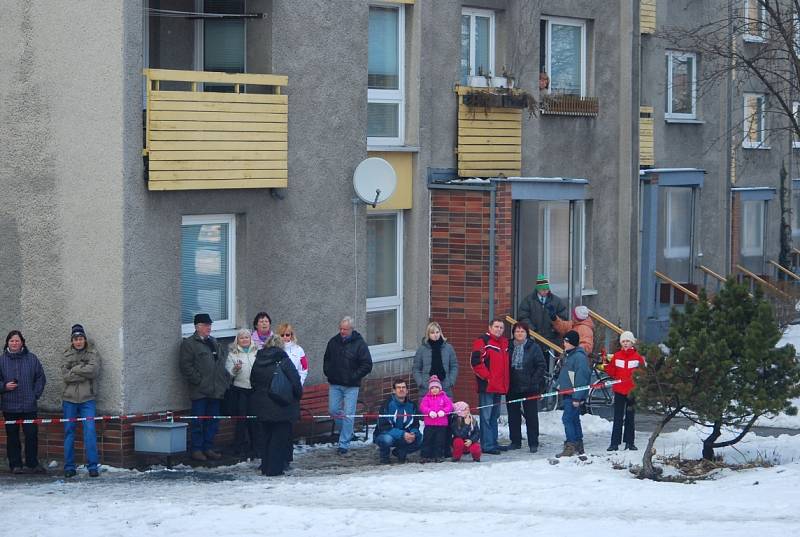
(489, 362)
(261, 404)
(537, 315)
(422, 366)
(26, 369)
(205, 372)
(347, 362)
(401, 415)
(575, 362)
(527, 377)
(464, 431)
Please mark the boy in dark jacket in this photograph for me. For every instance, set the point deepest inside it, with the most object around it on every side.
(575, 373)
(466, 433)
(398, 425)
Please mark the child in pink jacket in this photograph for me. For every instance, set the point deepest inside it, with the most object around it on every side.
(436, 407)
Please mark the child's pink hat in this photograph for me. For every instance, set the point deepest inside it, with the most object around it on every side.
(461, 408)
(434, 381)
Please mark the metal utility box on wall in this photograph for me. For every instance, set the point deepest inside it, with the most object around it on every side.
(160, 437)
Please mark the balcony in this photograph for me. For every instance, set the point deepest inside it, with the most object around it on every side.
(568, 105)
(489, 132)
(196, 139)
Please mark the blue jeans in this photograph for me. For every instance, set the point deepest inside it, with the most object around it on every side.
(572, 421)
(80, 410)
(489, 417)
(342, 402)
(204, 431)
(395, 438)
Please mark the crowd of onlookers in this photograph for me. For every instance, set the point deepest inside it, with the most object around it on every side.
(261, 375)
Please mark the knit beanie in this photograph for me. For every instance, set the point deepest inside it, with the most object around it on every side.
(542, 283)
(434, 381)
(573, 338)
(627, 336)
(581, 313)
(461, 408)
(77, 331)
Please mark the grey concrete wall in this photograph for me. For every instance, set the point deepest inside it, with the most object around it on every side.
(61, 149)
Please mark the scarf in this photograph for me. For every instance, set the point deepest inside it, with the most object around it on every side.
(519, 354)
(437, 367)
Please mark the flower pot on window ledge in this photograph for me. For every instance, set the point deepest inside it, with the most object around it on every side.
(500, 98)
(482, 81)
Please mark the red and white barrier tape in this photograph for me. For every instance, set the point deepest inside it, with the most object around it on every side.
(45, 421)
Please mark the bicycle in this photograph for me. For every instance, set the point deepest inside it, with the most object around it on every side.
(600, 400)
(551, 383)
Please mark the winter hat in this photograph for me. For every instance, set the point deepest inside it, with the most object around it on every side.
(461, 409)
(434, 381)
(627, 336)
(202, 318)
(573, 338)
(542, 283)
(581, 313)
(77, 331)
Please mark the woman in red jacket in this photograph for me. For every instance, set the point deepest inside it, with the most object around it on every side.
(621, 366)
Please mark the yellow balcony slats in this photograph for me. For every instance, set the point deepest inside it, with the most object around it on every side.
(489, 139)
(646, 141)
(204, 140)
(647, 16)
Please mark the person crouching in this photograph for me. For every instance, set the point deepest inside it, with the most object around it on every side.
(466, 433)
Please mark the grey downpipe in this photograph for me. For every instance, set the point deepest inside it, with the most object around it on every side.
(492, 219)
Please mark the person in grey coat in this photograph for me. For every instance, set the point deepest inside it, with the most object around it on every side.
(540, 308)
(203, 367)
(435, 356)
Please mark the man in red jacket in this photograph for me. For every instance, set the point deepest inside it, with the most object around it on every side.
(489, 362)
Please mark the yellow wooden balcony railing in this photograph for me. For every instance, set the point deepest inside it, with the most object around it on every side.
(215, 140)
(646, 144)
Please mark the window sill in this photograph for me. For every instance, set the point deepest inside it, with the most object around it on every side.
(393, 148)
(589, 292)
(686, 121)
(753, 39)
(755, 146)
(795, 145)
(385, 356)
(218, 334)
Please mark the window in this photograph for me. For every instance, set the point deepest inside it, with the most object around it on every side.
(754, 121)
(753, 228)
(208, 246)
(795, 212)
(795, 110)
(681, 85)
(555, 254)
(385, 281)
(755, 16)
(385, 115)
(477, 43)
(679, 223)
(563, 55)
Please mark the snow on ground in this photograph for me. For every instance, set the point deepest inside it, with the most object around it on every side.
(791, 335)
(514, 494)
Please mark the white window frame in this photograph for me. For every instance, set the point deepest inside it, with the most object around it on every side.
(549, 48)
(671, 56)
(670, 251)
(747, 227)
(390, 303)
(760, 144)
(580, 205)
(795, 195)
(759, 37)
(382, 96)
(795, 110)
(472, 13)
(220, 327)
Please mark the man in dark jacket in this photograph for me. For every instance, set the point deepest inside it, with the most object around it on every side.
(398, 425)
(540, 308)
(203, 367)
(489, 362)
(347, 361)
(527, 377)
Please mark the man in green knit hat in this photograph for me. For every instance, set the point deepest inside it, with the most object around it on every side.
(540, 308)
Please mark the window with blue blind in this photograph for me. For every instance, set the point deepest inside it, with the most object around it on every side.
(208, 270)
(223, 40)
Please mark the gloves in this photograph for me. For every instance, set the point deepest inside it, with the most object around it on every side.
(440, 413)
(550, 311)
(432, 413)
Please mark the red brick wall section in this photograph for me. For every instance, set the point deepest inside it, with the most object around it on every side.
(460, 222)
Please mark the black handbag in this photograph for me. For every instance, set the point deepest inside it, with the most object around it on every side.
(280, 387)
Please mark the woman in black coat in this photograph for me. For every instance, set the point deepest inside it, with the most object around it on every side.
(274, 416)
(526, 366)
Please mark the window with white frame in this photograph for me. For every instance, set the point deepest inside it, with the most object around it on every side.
(796, 114)
(385, 109)
(679, 223)
(562, 50)
(208, 270)
(795, 211)
(477, 43)
(753, 228)
(754, 121)
(556, 247)
(385, 281)
(755, 17)
(681, 85)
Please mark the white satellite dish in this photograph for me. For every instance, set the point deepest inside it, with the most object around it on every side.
(374, 181)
